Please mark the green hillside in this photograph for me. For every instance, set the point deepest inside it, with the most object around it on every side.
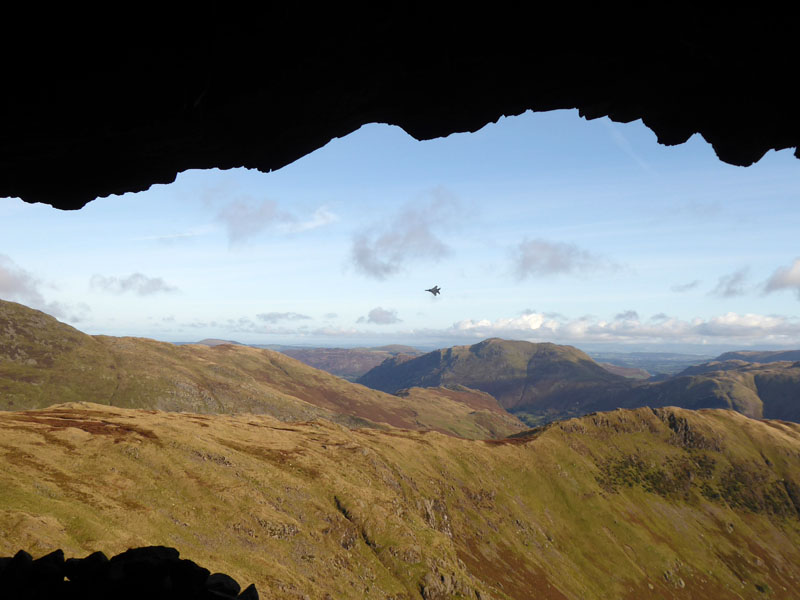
(45, 362)
(669, 504)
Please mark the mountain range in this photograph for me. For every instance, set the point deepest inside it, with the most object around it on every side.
(45, 362)
(348, 363)
(544, 382)
(308, 485)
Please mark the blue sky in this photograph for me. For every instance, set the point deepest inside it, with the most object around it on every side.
(544, 227)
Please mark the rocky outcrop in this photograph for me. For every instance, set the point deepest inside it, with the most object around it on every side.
(153, 572)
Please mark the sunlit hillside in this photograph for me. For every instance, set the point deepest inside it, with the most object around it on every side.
(628, 504)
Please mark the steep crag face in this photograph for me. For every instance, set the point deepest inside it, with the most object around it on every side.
(91, 111)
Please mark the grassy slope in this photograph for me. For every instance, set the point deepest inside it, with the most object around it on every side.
(462, 411)
(628, 504)
(44, 362)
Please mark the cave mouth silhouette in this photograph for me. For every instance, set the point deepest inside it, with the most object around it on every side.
(91, 111)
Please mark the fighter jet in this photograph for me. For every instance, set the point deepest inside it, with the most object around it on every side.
(434, 290)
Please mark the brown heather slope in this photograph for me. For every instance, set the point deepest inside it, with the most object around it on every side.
(462, 411)
(45, 362)
(669, 504)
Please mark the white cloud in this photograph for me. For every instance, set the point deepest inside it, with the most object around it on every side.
(380, 316)
(19, 285)
(537, 257)
(785, 278)
(135, 283)
(383, 250)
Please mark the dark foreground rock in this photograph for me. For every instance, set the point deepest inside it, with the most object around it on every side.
(153, 572)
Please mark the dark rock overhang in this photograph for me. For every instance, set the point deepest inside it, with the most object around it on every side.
(96, 110)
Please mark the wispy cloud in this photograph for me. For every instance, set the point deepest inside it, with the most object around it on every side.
(20, 285)
(624, 144)
(136, 283)
(380, 316)
(685, 287)
(320, 218)
(785, 278)
(274, 317)
(732, 285)
(172, 238)
(537, 257)
(382, 250)
(245, 219)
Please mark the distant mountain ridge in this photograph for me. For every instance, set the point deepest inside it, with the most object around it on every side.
(543, 382)
(542, 379)
(758, 356)
(349, 363)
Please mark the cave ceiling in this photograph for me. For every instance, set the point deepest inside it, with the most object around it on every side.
(90, 111)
